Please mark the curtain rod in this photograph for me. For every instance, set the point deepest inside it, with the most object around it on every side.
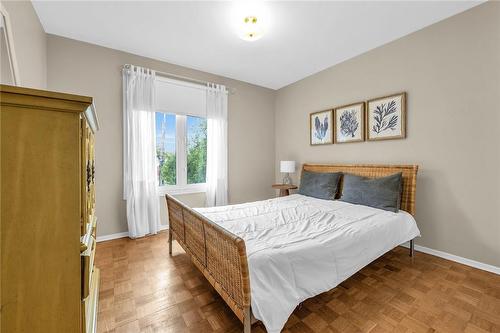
(183, 78)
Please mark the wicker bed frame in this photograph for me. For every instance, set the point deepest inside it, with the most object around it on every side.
(221, 255)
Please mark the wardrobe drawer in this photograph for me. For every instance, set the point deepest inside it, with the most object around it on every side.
(87, 260)
(90, 306)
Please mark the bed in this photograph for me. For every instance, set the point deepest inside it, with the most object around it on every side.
(266, 257)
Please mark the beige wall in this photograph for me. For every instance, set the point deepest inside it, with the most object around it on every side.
(30, 43)
(451, 72)
(192, 200)
(96, 71)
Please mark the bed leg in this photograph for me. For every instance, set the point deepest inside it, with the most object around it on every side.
(412, 248)
(169, 241)
(247, 320)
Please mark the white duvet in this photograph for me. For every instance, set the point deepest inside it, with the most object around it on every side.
(299, 247)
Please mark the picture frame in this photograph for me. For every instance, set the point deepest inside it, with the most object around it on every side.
(349, 121)
(386, 117)
(321, 128)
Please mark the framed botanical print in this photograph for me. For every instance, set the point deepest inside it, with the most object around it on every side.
(321, 128)
(386, 117)
(350, 123)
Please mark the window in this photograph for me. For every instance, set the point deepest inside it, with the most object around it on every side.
(181, 151)
(196, 132)
(181, 136)
(165, 148)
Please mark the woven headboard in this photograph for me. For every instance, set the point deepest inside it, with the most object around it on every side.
(375, 171)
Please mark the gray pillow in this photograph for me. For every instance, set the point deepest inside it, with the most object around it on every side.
(321, 185)
(383, 193)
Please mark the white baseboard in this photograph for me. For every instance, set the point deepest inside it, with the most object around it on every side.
(452, 257)
(112, 236)
(121, 235)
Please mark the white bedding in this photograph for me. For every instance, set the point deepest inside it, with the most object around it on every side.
(299, 247)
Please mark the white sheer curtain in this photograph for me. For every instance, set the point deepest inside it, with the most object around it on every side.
(139, 160)
(216, 145)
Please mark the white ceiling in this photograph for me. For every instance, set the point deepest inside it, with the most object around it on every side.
(302, 38)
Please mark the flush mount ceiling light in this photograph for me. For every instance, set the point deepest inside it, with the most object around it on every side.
(251, 30)
(250, 20)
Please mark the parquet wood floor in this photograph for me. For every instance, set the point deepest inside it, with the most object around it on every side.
(145, 290)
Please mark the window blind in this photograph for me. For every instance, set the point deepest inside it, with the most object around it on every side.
(180, 97)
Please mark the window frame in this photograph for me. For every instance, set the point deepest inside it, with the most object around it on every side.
(182, 187)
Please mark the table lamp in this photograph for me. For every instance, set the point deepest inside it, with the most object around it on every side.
(287, 167)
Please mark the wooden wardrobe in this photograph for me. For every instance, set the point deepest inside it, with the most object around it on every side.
(48, 226)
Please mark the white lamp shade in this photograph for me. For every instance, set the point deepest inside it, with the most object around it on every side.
(287, 166)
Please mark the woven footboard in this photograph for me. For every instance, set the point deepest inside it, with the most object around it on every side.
(218, 254)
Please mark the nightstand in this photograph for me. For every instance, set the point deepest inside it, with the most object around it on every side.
(284, 188)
